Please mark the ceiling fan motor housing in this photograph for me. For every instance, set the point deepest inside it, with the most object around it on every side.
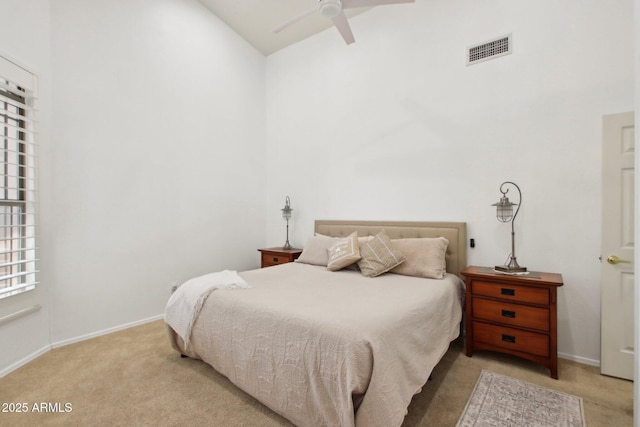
(330, 8)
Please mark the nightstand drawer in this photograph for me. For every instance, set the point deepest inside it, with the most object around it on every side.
(511, 339)
(269, 260)
(511, 292)
(511, 314)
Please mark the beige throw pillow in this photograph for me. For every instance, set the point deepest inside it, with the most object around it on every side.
(425, 257)
(379, 256)
(343, 253)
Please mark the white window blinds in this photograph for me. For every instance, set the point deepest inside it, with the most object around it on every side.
(17, 188)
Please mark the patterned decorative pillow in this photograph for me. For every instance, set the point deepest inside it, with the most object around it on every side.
(379, 256)
(315, 251)
(344, 253)
(425, 257)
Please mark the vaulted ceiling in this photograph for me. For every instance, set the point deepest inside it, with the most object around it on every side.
(254, 20)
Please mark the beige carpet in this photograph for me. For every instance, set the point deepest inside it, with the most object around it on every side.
(503, 401)
(133, 377)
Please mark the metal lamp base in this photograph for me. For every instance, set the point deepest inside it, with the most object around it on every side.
(512, 267)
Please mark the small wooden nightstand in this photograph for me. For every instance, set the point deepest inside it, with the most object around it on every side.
(277, 255)
(514, 314)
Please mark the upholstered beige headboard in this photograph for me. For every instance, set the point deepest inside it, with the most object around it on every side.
(455, 232)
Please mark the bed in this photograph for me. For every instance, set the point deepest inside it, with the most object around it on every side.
(336, 348)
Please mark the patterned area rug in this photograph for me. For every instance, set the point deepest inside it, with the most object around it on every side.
(498, 400)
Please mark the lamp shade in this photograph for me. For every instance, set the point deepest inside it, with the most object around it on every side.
(286, 211)
(504, 209)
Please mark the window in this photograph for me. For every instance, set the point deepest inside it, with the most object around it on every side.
(17, 189)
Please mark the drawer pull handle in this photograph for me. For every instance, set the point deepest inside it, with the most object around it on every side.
(275, 259)
(509, 313)
(506, 291)
(508, 338)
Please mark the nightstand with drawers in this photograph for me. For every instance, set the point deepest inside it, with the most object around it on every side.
(277, 255)
(513, 314)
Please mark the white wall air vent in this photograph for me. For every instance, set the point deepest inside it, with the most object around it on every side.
(490, 49)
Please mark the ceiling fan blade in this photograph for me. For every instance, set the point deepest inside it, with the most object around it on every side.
(296, 19)
(349, 4)
(341, 23)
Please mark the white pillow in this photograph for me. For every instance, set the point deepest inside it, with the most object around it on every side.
(315, 252)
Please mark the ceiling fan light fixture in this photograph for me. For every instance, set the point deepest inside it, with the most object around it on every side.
(331, 8)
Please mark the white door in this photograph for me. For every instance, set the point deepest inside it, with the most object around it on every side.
(617, 333)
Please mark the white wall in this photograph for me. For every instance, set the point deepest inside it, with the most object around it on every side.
(396, 126)
(24, 39)
(158, 157)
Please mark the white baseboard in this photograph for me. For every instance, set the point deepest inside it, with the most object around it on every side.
(583, 360)
(62, 343)
(105, 331)
(24, 361)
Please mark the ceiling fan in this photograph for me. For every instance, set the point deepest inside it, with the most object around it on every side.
(334, 9)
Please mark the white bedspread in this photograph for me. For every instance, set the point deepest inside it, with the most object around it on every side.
(184, 305)
(329, 348)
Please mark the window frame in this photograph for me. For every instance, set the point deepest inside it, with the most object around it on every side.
(18, 261)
